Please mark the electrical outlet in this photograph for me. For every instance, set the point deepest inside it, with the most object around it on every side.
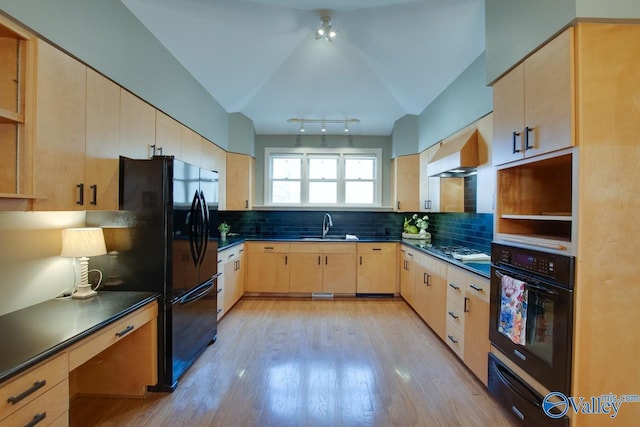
(257, 229)
(387, 231)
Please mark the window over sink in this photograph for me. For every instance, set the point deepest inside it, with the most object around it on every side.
(323, 177)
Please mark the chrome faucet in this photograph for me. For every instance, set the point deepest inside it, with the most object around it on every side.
(326, 224)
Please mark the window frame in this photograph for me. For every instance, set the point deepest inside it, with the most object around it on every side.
(305, 153)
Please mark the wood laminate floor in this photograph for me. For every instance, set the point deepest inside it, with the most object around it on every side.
(304, 362)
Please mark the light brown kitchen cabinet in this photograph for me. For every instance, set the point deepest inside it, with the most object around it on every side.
(467, 328)
(240, 168)
(408, 275)
(268, 267)
(16, 97)
(137, 126)
(323, 267)
(377, 268)
(455, 310)
(51, 397)
(476, 329)
(405, 173)
(431, 292)
(191, 146)
(231, 282)
(102, 143)
(60, 131)
(534, 104)
(168, 133)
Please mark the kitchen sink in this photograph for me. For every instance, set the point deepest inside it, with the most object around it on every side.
(326, 239)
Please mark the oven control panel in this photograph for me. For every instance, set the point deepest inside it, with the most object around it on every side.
(560, 268)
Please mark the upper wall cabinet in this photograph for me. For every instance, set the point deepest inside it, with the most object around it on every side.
(16, 87)
(239, 182)
(102, 145)
(406, 172)
(167, 135)
(137, 126)
(59, 143)
(533, 105)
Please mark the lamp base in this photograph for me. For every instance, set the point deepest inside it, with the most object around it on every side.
(84, 292)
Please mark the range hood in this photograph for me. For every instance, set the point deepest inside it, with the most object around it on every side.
(457, 156)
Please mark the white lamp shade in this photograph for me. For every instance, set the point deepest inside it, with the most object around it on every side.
(83, 242)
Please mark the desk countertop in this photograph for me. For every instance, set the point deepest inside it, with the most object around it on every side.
(32, 334)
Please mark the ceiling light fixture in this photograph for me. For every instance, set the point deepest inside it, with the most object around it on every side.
(323, 123)
(325, 31)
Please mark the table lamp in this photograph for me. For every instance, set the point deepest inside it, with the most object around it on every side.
(82, 243)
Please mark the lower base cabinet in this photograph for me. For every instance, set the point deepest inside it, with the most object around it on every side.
(431, 293)
(268, 267)
(231, 282)
(377, 269)
(323, 267)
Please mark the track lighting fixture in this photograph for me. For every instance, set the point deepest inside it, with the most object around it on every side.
(323, 123)
(325, 31)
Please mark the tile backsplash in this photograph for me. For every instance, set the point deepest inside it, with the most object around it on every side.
(470, 229)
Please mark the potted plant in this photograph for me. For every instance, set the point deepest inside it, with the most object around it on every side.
(224, 228)
(416, 227)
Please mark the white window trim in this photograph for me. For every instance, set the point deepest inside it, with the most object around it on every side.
(341, 152)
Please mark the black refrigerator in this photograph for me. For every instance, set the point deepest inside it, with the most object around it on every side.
(173, 251)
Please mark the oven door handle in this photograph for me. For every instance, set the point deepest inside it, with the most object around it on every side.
(541, 289)
(538, 288)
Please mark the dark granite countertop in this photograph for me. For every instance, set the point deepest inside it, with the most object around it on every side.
(32, 334)
(480, 268)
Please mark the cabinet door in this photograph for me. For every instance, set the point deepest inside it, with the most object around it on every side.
(407, 183)
(476, 334)
(268, 272)
(191, 146)
(137, 126)
(508, 117)
(431, 203)
(306, 272)
(339, 273)
(167, 135)
(436, 303)
(376, 268)
(408, 276)
(102, 142)
(239, 182)
(59, 151)
(549, 96)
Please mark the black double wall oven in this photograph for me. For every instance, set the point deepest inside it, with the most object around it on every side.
(531, 323)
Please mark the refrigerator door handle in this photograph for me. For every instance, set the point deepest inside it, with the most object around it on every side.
(195, 294)
(205, 226)
(193, 229)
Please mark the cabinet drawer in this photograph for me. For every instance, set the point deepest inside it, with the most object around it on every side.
(455, 293)
(455, 338)
(455, 314)
(32, 384)
(47, 407)
(96, 343)
(478, 286)
(381, 248)
(230, 254)
(269, 247)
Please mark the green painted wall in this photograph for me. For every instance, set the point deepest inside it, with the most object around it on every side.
(464, 101)
(105, 35)
(405, 136)
(514, 28)
(242, 134)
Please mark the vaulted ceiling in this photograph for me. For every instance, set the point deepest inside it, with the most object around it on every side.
(261, 58)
